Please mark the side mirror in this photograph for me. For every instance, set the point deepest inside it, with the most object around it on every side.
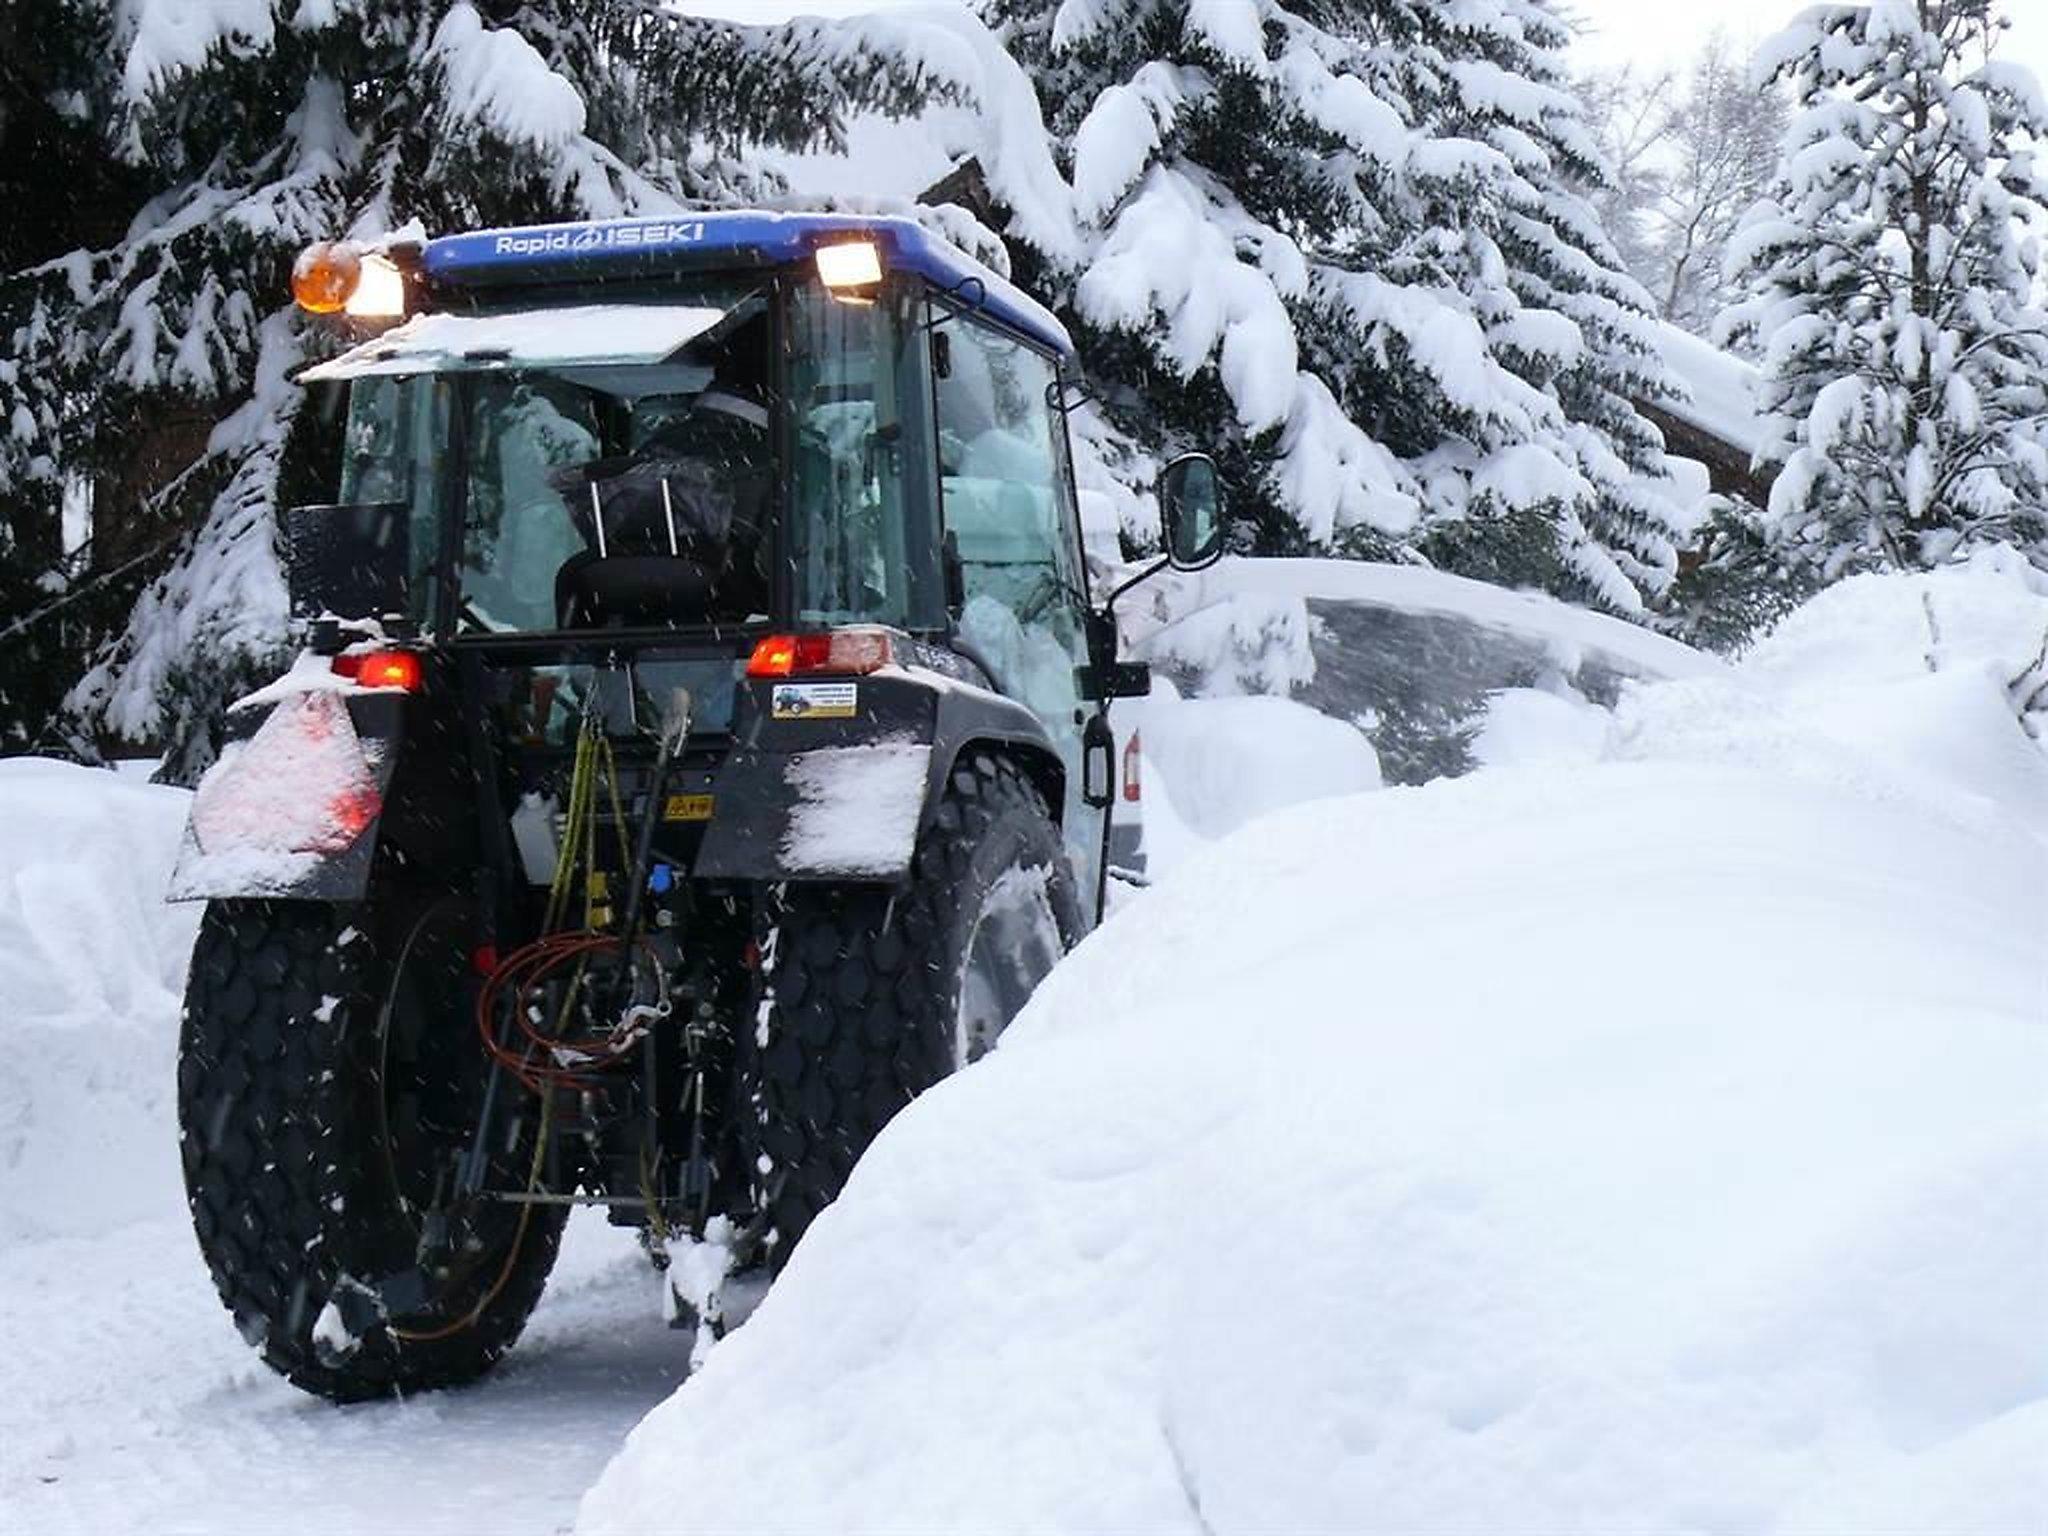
(1191, 507)
(350, 561)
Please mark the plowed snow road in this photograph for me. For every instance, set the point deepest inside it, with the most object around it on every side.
(127, 1401)
(131, 1405)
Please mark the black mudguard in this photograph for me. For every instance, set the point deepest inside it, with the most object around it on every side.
(827, 780)
(831, 779)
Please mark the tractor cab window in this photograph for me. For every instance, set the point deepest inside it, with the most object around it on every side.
(1005, 501)
(863, 542)
(523, 433)
(1003, 491)
(594, 494)
(391, 452)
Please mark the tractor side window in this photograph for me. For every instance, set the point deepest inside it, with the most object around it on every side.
(391, 452)
(1002, 485)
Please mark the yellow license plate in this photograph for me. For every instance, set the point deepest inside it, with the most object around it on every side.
(687, 808)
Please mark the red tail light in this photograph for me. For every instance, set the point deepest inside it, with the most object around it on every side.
(1134, 788)
(381, 669)
(838, 652)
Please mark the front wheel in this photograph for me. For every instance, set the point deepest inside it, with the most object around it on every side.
(329, 1082)
(871, 994)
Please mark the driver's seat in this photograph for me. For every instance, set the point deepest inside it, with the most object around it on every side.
(594, 591)
(661, 532)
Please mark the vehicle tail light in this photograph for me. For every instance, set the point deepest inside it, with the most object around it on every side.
(1134, 788)
(381, 669)
(835, 653)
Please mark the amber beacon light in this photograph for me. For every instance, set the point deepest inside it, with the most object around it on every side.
(334, 277)
(324, 277)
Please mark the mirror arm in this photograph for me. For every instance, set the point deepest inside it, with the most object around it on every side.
(1068, 395)
(1106, 678)
(1105, 628)
(1109, 602)
(959, 294)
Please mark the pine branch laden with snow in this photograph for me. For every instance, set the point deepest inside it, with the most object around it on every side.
(1892, 289)
(261, 125)
(1341, 243)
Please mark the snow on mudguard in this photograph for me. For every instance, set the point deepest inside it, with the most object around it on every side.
(843, 812)
(292, 811)
(840, 792)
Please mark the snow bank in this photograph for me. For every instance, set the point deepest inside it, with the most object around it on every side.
(92, 965)
(1645, 1137)
(1912, 687)
(1230, 761)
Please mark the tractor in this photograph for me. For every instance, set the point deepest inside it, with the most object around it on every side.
(698, 748)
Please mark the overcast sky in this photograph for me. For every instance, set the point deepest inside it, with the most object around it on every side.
(1651, 32)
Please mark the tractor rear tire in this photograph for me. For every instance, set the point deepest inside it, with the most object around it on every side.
(872, 994)
(328, 1075)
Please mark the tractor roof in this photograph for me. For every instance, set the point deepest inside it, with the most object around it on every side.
(563, 252)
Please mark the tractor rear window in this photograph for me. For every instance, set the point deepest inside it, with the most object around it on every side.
(588, 509)
(594, 495)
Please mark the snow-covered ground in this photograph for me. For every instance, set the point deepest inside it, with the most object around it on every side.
(1645, 1131)
(130, 1403)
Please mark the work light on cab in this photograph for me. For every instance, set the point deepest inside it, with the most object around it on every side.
(850, 268)
(379, 292)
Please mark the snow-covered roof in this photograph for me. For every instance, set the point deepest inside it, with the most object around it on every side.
(564, 252)
(1723, 389)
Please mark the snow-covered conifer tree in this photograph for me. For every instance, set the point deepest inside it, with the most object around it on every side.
(1893, 293)
(158, 364)
(1341, 243)
(58, 180)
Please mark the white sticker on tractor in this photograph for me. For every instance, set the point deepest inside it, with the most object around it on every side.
(816, 701)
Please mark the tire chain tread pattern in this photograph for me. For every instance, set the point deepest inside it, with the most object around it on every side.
(858, 1005)
(274, 1147)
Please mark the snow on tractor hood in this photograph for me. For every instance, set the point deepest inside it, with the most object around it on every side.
(539, 338)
